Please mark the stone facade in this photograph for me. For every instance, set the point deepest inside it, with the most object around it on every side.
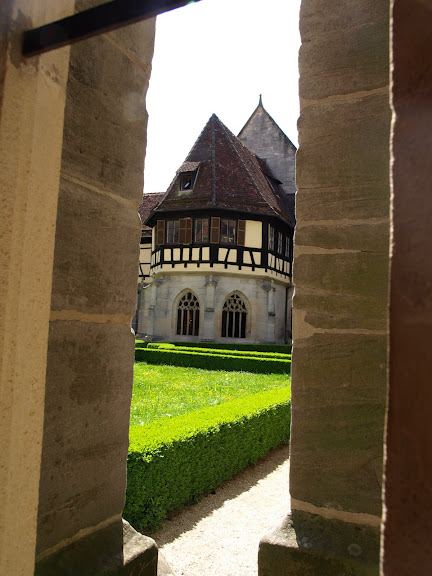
(261, 296)
(341, 298)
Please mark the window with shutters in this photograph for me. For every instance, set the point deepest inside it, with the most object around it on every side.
(234, 315)
(172, 227)
(188, 315)
(201, 230)
(215, 230)
(228, 231)
(241, 232)
(160, 232)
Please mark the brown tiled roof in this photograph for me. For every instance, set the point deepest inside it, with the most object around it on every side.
(149, 202)
(188, 167)
(229, 177)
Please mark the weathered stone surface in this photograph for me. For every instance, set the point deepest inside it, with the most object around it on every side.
(307, 544)
(327, 16)
(344, 200)
(344, 48)
(136, 38)
(345, 142)
(344, 290)
(366, 236)
(359, 51)
(116, 550)
(32, 97)
(85, 443)
(96, 273)
(339, 387)
(105, 119)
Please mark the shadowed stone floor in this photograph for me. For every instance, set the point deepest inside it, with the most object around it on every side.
(220, 535)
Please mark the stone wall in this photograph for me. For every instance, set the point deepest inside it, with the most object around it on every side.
(341, 283)
(265, 299)
(32, 97)
(91, 346)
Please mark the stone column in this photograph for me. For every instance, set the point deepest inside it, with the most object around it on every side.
(32, 97)
(91, 346)
(144, 292)
(407, 530)
(269, 289)
(288, 331)
(152, 309)
(340, 302)
(208, 327)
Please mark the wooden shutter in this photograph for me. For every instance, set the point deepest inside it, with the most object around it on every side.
(185, 231)
(241, 232)
(215, 230)
(188, 231)
(160, 232)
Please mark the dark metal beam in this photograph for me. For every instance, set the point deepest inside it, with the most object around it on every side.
(94, 21)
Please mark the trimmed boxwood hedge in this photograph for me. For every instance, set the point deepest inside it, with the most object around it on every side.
(192, 359)
(280, 348)
(211, 351)
(175, 463)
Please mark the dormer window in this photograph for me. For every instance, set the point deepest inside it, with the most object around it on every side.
(187, 180)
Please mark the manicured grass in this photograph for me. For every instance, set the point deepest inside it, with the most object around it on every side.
(167, 391)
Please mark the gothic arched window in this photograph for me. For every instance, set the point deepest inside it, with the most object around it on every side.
(234, 317)
(188, 315)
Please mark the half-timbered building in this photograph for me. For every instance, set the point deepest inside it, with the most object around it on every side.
(217, 247)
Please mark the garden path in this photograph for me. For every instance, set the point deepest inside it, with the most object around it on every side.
(219, 536)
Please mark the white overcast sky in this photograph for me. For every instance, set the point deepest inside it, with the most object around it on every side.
(218, 56)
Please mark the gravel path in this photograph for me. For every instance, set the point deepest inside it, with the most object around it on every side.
(220, 535)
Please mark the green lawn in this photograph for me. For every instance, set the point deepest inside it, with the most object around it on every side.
(165, 391)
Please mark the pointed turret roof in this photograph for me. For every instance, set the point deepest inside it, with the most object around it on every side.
(228, 176)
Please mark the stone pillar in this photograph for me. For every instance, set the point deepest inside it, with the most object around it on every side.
(91, 346)
(152, 309)
(271, 313)
(32, 97)
(340, 302)
(269, 289)
(141, 312)
(407, 530)
(208, 327)
(288, 330)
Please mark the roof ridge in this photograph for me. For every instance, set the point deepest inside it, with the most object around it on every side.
(213, 159)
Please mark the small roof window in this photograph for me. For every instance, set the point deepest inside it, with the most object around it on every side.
(187, 180)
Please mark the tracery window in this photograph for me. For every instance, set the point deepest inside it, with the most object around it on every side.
(234, 315)
(188, 315)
